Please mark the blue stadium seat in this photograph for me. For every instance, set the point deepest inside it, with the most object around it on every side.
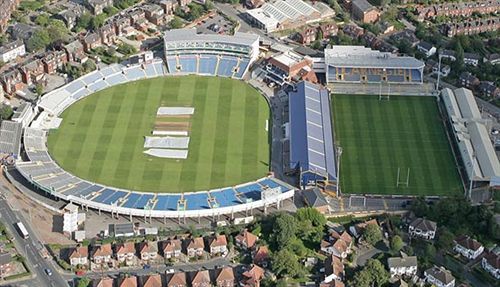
(131, 200)
(252, 191)
(416, 76)
(115, 197)
(171, 65)
(150, 71)
(208, 64)
(103, 195)
(196, 201)
(116, 79)
(143, 201)
(242, 68)
(226, 66)
(188, 64)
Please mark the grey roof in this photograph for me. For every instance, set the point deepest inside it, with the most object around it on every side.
(23, 108)
(473, 56)
(22, 31)
(441, 274)
(363, 5)
(122, 229)
(314, 197)
(424, 224)
(425, 45)
(407, 261)
(10, 137)
(473, 140)
(484, 152)
(10, 46)
(189, 35)
(311, 137)
(5, 258)
(359, 56)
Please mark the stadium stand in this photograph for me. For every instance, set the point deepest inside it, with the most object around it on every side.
(44, 173)
(309, 133)
(362, 65)
(58, 100)
(471, 137)
(10, 138)
(216, 55)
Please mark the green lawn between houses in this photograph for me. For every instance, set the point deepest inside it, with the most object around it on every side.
(101, 137)
(378, 136)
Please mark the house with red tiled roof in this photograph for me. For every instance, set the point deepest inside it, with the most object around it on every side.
(334, 269)
(148, 250)
(153, 280)
(171, 248)
(79, 256)
(491, 263)
(224, 277)
(468, 247)
(103, 282)
(130, 281)
(125, 253)
(252, 277)
(195, 246)
(177, 280)
(101, 253)
(246, 239)
(200, 279)
(217, 245)
(261, 256)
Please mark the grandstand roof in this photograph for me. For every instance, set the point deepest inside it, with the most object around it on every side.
(359, 56)
(311, 138)
(190, 35)
(473, 139)
(10, 137)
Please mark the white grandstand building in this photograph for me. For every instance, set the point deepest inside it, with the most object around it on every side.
(228, 56)
(209, 54)
(287, 14)
(358, 64)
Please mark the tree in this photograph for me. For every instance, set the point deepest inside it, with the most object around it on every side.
(6, 112)
(83, 21)
(83, 282)
(97, 22)
(176, 23)
(285, 228)
(445, 239)
(42, 19)
(419, 207)
(396, 244)
(57, 30)
(362, 279)
(39, 40)
(285, 264)
(429, 252)
(126, 49)
(38, 89)
(373, 274)
(89, 65)
(312, 214)
(372, 234)
(378, 274)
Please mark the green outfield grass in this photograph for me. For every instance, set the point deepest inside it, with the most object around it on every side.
(101, 137)
(378, 137)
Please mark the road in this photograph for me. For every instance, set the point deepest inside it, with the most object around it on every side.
(188, 267)
(29, 248)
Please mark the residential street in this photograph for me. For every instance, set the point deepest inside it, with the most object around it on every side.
(29, 248)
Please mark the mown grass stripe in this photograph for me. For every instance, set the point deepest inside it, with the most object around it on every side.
(219, 156)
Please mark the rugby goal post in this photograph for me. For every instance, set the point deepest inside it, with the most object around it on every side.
(381, 96)
(403, 181)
